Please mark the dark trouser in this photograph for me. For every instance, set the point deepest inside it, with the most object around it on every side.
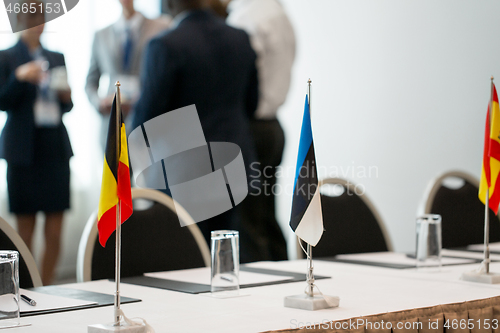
(260, 235)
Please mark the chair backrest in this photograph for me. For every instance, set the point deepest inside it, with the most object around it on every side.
(152, 241)
(460, 208)
(28, 271)
(351, 222)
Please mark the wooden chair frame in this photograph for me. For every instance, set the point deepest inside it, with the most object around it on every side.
(351, 187)
(434, 185)
(23, 250)
(90, 233)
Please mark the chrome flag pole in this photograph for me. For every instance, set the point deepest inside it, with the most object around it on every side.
(120, 322)
(310, 268)
(118, 235)
(483, 274)
(308, 300)
(310, 273)
(486, 260)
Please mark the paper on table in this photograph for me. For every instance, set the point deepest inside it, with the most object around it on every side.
(396, 258)
(494, 247)
(468, 254)
(15, 326)
(202, 276)
(48, 302)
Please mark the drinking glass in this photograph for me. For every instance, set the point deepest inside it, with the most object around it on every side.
(9, 289)
(428, 252)
(225, 262)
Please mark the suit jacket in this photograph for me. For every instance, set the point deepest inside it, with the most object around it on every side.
(107, 55)
(18, 99)
(207, 63)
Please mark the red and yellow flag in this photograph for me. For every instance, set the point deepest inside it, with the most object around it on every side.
(115, 180)
(491, 155)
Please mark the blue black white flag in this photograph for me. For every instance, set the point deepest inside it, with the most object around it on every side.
(306, 219)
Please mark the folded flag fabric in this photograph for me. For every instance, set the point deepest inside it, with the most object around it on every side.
(491, 155)
(306, 219)
(115, 180)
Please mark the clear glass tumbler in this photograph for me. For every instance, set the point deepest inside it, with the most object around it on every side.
(9, 289)
(428, 252)
(225, 262)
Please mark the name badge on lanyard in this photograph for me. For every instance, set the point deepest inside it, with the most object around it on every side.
(47, 113)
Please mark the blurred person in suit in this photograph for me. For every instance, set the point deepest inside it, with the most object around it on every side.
(34, 141)
(203, 61)
(117, 56)
(273, 39)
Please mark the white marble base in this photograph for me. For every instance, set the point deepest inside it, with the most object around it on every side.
(123, 328)
(306, 302)
(481, 277)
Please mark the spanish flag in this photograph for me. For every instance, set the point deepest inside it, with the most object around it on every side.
(491, 156)
(115, 180)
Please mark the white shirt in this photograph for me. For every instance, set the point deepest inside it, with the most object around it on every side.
(134, 24)
(273, 40)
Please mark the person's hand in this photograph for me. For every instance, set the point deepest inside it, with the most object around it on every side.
(105, 105)
(64, 95)
(30, 72)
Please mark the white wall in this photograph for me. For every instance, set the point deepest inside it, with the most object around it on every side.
(399, 85)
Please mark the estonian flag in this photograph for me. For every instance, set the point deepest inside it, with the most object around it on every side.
(307, 219)
(115, 180)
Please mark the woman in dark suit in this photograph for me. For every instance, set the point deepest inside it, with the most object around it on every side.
(34, 141)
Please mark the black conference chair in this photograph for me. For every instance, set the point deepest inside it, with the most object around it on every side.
(351, 222)
(28, 271)
(454, 196)
(152, 241)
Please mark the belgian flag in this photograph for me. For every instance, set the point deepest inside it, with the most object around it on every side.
(115, 180)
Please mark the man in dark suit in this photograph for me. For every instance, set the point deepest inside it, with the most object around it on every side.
(202, 61)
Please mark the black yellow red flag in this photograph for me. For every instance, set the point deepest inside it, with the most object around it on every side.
(115, 179)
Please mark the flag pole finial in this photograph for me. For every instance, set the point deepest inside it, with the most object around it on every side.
(309, 93)
(118, 84)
